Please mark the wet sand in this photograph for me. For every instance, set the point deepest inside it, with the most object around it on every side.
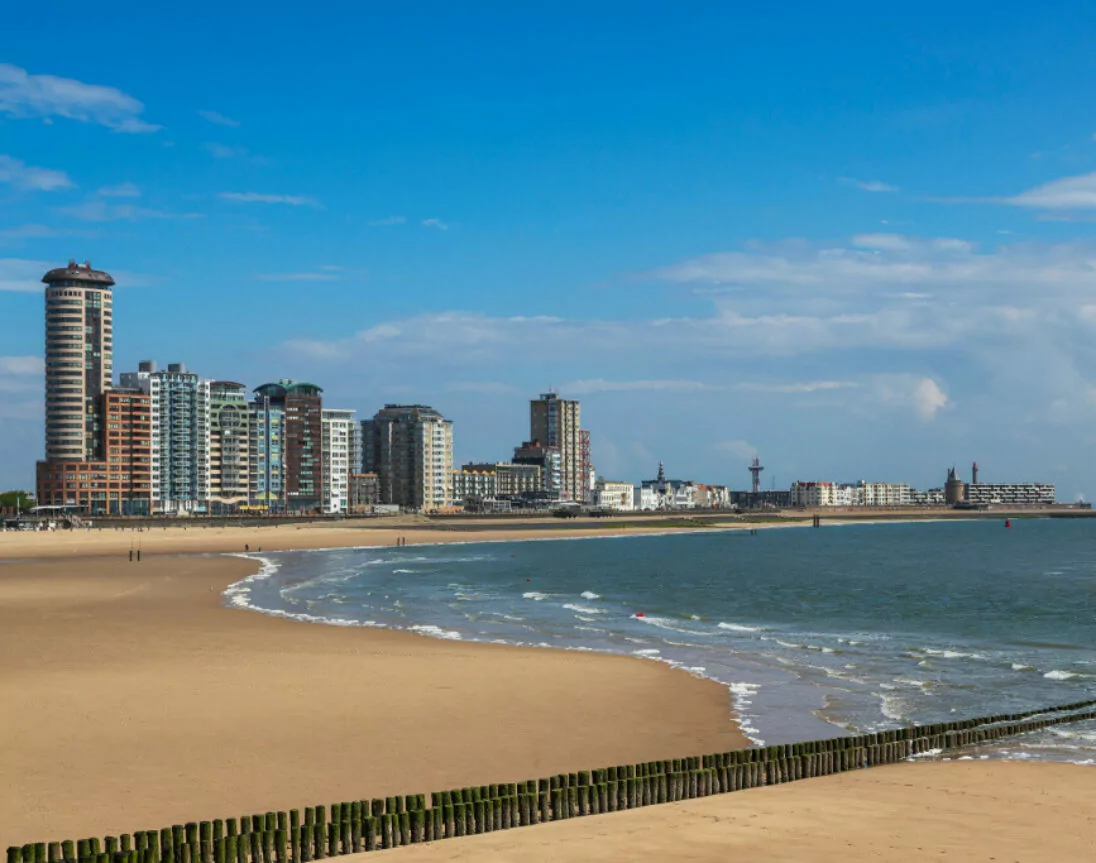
(134, 699)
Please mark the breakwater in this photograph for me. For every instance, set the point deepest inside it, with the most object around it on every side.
(318, 832)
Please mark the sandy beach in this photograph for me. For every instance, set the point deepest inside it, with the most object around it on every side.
(138, 700)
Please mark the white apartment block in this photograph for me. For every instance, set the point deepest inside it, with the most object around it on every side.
(646, 498)
(180, 438)
(1011, 493)
(883, 494)
(619, 496)
(338, 433)
(812, 494)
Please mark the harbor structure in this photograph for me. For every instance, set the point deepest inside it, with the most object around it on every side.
(79, 360)
(338, 455)
(229, 447)
(410, 448)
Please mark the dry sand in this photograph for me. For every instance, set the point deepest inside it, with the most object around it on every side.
(134, 700)
(198, 539)
(957, 811)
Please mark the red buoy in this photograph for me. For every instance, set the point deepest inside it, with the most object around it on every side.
(1008, 523)
(639, 614)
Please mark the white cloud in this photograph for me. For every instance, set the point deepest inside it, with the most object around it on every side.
(869, 185)
(122, 190)
(101, 211)
(18, 274)
(482, 387)
(260, 198)
(1068, 193)
(795, 386)
(389, 220)
(23, 176)
(739, 449)
(922, 395)
(22, 366)
(25, 95)
(435, 223)
(219, 119)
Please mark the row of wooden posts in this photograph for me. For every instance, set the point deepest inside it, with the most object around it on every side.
(370, 825)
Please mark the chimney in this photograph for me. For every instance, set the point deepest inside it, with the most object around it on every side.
(974, 474)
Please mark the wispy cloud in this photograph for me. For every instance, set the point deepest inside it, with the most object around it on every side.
(869, 185)
(260, 198)
(297, 277)
(22, 365)
(122, 190)
(34, 232)
(25, 95)
(390, 220)
(224, 151)
(21, 275)
(435, 223)
(1068, 193)
(738, 449)
(24, 176)
(219, 119)
(101, 211)
(599, 385)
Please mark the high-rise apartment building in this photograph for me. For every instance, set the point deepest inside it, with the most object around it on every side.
(119, 484)
(287, 446)
(266, 451)
(229, 447)
(79, 351)
(410, 448)
(556, 422)
(338, 453)
(180, 436)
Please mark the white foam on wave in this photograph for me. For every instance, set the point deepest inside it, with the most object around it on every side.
(738, 627)
(649, 652)
(582, 609)
(534, 595)
(435, 631)
(589, 594)
(402, 571)
(951, 654)
(1061, 675)
(1019, 666)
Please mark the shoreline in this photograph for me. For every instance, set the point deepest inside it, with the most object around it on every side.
(151, 702)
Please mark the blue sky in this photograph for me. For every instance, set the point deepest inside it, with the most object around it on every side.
(856, 244)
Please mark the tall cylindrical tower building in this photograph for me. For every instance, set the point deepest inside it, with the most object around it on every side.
(79, 349)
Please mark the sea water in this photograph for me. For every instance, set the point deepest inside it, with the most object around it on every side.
(844, 629)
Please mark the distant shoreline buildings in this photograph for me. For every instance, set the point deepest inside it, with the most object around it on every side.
(169, 442)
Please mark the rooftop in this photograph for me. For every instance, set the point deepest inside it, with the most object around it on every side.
(75, 272)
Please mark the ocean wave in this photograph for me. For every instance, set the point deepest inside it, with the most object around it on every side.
(1061, 675)
(535, 595)
(738, 627)
(651, 651)
(589, 594)
(582, 609)
(669, 624)
(403, 571)
(950, 654)
(435, 631)
(1018, 666)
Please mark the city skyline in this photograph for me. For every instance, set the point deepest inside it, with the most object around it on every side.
(853, 250)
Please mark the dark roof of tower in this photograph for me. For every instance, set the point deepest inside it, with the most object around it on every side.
(79, 273)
